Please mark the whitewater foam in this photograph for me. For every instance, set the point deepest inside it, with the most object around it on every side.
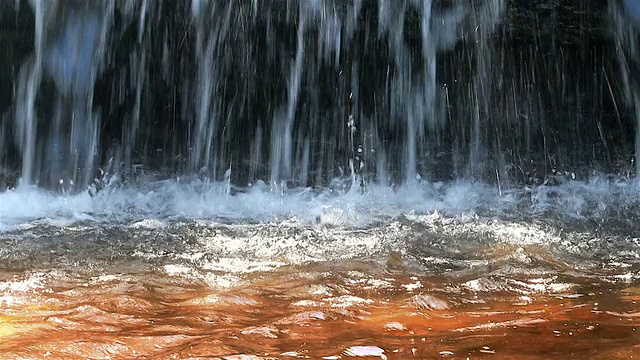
(150, 205)
(459, 227)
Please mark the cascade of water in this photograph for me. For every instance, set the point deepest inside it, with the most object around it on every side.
(210, 40)
(485, 19)
(70, 39)
(626, 27)
(139, 64)
(301, 131)
(281, 133)
(296, 92)
(29, 82)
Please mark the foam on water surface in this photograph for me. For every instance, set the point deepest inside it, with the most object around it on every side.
(208, 233)
(152, 204)
(522, 241)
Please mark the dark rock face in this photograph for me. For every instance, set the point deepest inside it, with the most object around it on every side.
(539, 94)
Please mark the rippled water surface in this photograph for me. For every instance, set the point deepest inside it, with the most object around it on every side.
(329, 310)
(320, 278)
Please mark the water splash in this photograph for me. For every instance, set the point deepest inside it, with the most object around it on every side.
(599, 199)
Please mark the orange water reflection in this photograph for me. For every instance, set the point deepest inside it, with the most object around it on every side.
(314, 312)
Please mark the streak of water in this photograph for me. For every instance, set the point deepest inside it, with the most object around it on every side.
(626, 28)
(104, 53)
(69, 46)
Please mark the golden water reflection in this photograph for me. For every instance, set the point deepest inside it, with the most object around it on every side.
(315, 311)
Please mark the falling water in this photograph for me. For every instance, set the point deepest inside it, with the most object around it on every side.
(220, 92)
(300, 93)
(69, 45)
(626, 24)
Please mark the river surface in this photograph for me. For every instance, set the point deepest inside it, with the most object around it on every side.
(336, 278)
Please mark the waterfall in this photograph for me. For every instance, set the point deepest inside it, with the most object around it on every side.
(70, 38)
(300, 126)
(314, 93)
(626, 25)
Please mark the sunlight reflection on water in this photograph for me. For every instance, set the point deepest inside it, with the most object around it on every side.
(331, 310)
